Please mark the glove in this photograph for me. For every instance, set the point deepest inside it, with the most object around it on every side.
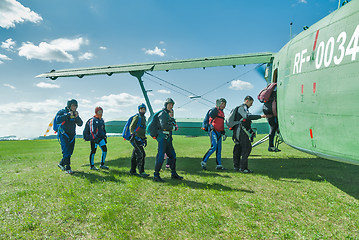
(105, 140)
(224, 137)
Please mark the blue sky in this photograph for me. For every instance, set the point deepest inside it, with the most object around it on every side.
(37, 36)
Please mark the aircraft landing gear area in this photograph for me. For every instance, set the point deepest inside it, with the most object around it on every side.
(277, 140)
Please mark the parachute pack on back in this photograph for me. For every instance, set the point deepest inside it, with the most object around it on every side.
(55, 125)
(205, 123)
(233, 117)
(86, 134)
(264, 95)
(126, 133)
(154, 125)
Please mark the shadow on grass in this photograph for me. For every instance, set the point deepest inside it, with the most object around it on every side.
(124, 163)
(95, 177)
(212, 186)
(342, 175)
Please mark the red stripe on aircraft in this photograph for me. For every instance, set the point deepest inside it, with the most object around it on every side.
(314, 87)
(311, 133)
(302, 88)
(315, 42)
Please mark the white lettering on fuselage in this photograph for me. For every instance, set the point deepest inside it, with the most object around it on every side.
(299, 60)
(296, 63)
(325, 52)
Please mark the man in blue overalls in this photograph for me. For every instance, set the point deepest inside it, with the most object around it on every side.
(68, 118)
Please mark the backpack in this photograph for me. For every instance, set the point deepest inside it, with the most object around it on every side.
(86, 135)
(205, 123)
(233, 116)
(126, 133)
(55, 125)
(154, 125)
(265, 94)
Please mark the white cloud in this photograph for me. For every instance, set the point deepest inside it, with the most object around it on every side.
(10, 86)
(302, 1)
(46, 85)
(9, 44)
(156, 51)
(240, 85)
(36, 115)
(31, 107)
(45, 52)
(103, 48)
(164, 91)
(70, 44)
(3, 57)
(117, 102)
(86, 56)
(85, 103)
(56, 50)
(73, 94)
(157, 101)
(162, 42)
(13, 12)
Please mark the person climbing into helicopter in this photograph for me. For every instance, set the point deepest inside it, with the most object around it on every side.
(270, 109)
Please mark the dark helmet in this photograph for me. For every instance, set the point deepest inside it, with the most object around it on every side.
(249, 98)
(169, 100)
(219, 101)
(142, 106)
(70, 102)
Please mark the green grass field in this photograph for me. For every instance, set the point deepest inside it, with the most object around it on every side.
(291, 195)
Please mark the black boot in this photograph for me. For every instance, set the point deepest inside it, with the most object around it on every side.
(176, 176)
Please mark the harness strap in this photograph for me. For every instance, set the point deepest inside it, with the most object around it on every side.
(139, 125)
(61, 131)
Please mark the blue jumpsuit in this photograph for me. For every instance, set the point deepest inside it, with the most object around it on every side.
(98, 133)
(66, 134)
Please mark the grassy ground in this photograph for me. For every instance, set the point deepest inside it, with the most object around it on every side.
(291, 195)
